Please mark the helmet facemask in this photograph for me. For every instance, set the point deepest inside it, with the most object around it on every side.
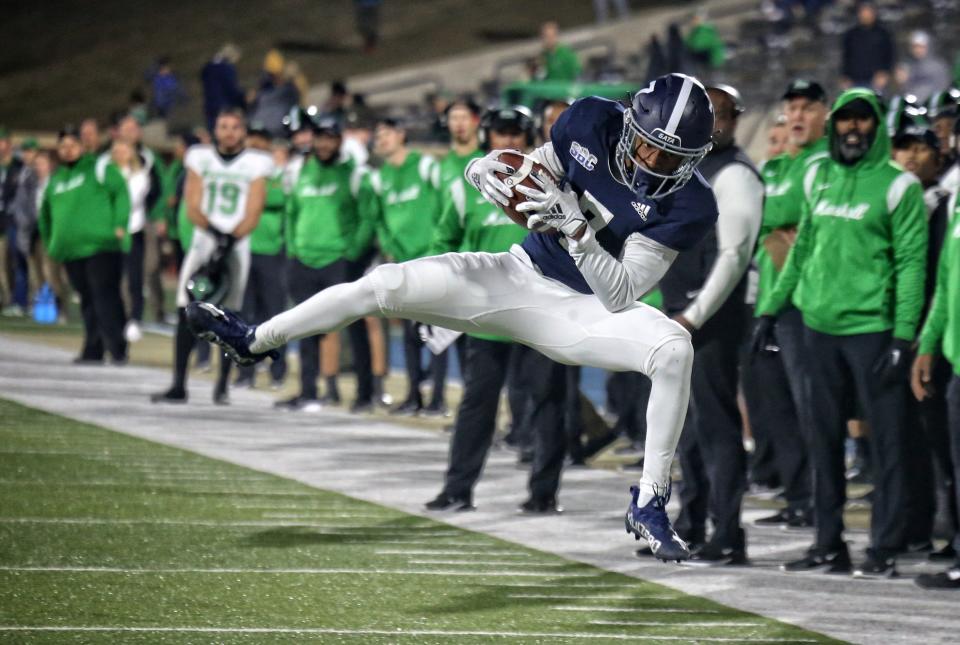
(632, 169)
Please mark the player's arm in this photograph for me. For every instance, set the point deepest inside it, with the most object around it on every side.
(256, 197)
(618, 283)
(740, 203)
(193, 195)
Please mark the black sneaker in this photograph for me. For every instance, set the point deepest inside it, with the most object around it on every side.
(436, 409)
(835, 561)
(330, 399)
(362, 407)
(221, 396)
(780, 517)
(711, 555)
(540, 506)
(409, 408)
(293, 403)
(949, 579)
(946, 554)
(800, 519)
(443, 502)
(876, 565)
(173, 395)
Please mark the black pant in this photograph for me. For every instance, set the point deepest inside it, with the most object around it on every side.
(934, 416)
(412, 349)
(953, 411)
(264, 298)
(776, 398)
(547, 383)
(304, 283)
(360, 340)
(483, 378)
(716, 421)
(134, 268)
(841, 370)
(97, 280)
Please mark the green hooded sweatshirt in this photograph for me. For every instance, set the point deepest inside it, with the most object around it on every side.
(859, 262)
(82, 210)
(330, 213)
(783, 194)
(267, 238)
(943, 321)
(409, 206)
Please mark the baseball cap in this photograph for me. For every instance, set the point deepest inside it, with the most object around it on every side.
(803, 88)
(326, 123)
(258, 128)
(911, 133)
(29, 144)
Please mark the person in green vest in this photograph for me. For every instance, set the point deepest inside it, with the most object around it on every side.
(856, 273)
(266, 293)
(774, 381)
(559, 62)
(940, 339)
(463, 122)
(408, 200)
(82, 223)
(330, 213)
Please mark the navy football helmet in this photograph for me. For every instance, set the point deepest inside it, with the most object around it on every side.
(673, 113)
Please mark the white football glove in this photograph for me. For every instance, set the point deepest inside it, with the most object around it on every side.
(481, 175)
(550, 206)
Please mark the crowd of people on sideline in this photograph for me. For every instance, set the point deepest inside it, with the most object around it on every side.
(822, 309)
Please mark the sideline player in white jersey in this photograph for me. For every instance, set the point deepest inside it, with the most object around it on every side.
(628, 202)
(224, 191)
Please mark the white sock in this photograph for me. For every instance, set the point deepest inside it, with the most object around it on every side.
(666, 411)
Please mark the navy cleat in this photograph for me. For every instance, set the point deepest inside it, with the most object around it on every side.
(651, 523)
(225, 328)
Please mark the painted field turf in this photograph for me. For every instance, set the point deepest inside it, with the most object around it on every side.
(109, 538)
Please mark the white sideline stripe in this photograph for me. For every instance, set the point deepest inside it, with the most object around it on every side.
(578, 585)
(679, 106)
(79, 483)
(394, 632)
(396, 572)
(518, 554)
(433, 530)
(490, 563)
(622, 610)
(435, 543)
(560, 596)
(319, 515)
(647, 623)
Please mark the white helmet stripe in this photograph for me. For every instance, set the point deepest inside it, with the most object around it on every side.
(680, 105)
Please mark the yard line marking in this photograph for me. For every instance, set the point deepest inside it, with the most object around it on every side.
(320, 515)
(435, 543)
(491, 563)
(577, 585)
(643, 623)
(519, 554)
(394, 632)
(433, 530)
(234, 570)
(557, 596)
(666, 610)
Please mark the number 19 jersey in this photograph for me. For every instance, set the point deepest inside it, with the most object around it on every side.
(226, 181)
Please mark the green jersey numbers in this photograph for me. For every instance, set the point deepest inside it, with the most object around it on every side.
(222, 197)
(226, 182)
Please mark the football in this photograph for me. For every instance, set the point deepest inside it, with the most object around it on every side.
(524, 167)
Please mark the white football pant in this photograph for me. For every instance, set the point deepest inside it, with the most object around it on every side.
(506, 295)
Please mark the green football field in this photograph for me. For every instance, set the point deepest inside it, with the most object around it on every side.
(109, 538)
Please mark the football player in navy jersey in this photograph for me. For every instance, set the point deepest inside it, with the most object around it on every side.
(628, 201)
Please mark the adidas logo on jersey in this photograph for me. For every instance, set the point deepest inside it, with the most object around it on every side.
(642, 209)
(583, 156)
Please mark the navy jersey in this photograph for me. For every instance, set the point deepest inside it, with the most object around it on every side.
(585, 140)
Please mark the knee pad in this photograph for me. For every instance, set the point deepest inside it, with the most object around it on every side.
(673, 355)
(387, 281)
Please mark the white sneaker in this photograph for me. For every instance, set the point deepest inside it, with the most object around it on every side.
(132, 333)
(311, 407)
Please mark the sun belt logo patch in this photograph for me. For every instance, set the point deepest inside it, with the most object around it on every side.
(670, 139)
(583, 156)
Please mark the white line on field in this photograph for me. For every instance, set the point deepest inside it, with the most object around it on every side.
(557, 596)
(391, 632)
(643, 623)
(519, 554)
(398, 572)
(490, 563)
(670, 610)
(432, 530)
(441, 543)
(577, 585)
(320, 515)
